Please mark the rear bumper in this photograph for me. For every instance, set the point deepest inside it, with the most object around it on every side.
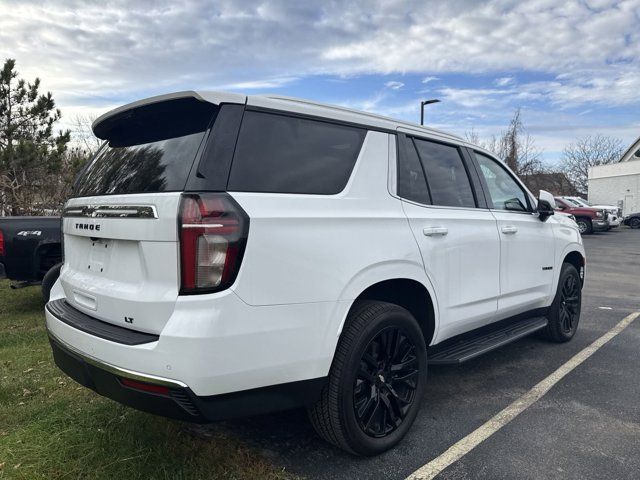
(216, 344)
(87, 372)
(177, 400)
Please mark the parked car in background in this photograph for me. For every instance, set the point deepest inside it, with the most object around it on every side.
(614, 213)
(30, 250)
(589, 219)
(632, 220)
(230, 255)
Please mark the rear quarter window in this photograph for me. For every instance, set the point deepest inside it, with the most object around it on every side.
(283, 154)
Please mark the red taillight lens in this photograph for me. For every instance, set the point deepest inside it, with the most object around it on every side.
(1, 244)
(213, 234)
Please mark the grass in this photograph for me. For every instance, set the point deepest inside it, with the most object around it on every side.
(50, 427)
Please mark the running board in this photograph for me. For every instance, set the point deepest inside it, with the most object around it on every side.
(472, 347)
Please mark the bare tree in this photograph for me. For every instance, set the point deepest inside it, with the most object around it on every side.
(518, 149)
(514, 146)
(490, 143)
(587, 152)
(472, 136)
(82, 134)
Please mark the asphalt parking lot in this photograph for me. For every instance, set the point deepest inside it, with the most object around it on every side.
(586, 426)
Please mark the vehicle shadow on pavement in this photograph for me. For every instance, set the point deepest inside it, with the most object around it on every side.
(458, 400)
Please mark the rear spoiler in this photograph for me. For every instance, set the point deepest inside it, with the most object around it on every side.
(101, 125)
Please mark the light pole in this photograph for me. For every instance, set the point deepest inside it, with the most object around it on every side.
(422, 104)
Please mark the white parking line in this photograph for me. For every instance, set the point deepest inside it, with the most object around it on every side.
(468, 443)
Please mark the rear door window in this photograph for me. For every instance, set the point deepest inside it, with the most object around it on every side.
(284, 154)
(148, 149)
(446, 174)
(411, 182)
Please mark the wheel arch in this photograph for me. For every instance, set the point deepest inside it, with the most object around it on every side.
(46, 255)
(409, 294)
(576, 259)
(408, 287)
(575, 255)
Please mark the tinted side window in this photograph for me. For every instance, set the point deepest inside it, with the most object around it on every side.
(504, 191)
(281, 154)
(447, 177)
(411, 182)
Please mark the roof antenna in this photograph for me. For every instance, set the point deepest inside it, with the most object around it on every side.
(422, 104)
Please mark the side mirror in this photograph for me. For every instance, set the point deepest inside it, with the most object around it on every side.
(544, 195)
(546, 205)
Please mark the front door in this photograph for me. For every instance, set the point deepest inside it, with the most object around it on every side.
(527, 255)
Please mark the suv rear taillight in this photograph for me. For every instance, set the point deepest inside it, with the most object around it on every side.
(213, 232)
(1, 244)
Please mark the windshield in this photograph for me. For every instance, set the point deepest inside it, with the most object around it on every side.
(573, 202)
(581, 201)
(150, 149)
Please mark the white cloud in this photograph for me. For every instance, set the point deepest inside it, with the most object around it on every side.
(476, 97)
(258, 84)
(95, 55)
(394, 85)
(580, 87)
(504, 81)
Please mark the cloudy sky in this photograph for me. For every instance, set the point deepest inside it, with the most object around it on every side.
(572, 66)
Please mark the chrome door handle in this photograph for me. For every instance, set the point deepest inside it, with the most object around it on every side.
(435, 231)
(509, 229)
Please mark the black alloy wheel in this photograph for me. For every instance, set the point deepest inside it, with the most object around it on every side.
(570, 303)
(386, 382)
(376, 382)
(564, 312)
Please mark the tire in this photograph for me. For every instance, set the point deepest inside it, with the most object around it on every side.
(380, 386)
(585, 226)
(564, 313)
(49, 279)
(634, 222)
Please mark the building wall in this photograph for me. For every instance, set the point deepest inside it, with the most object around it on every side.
(610, 190)
(615, 169)
(615, 182)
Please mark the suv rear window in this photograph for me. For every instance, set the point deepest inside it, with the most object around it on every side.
(283, 154)
(148, 149)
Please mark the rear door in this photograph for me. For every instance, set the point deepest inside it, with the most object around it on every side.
(120, 232)
(457, 237)
(527, 244)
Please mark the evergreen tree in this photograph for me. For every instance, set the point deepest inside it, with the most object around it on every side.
(30, 152)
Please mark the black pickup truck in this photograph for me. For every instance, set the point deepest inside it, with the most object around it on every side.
(30, 248)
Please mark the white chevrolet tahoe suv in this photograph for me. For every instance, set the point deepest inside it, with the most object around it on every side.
(232, 255)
